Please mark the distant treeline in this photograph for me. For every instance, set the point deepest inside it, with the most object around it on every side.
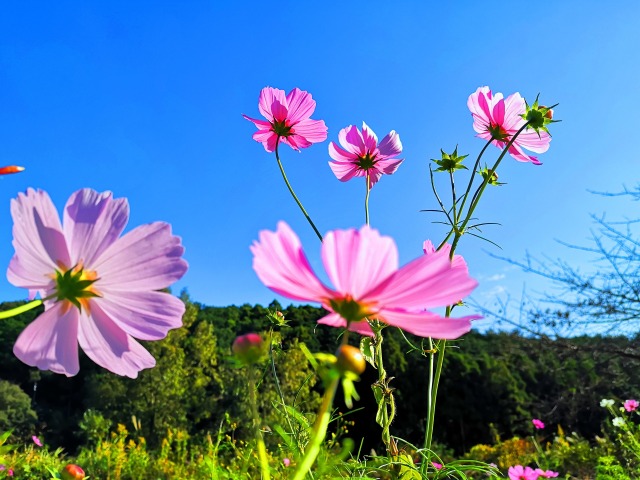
(493, 383)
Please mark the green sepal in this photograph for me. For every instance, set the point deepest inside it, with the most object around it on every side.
(450, 162)
(539, 116)
(349, 388)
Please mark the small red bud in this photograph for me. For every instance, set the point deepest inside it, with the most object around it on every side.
(248, 348)
(10, 169)
(72, 472)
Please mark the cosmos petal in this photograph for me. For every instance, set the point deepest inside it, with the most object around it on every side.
(50, 342)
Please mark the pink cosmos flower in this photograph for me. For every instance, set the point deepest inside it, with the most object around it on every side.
(631, 405)
(436, 465)
(288, 119)
(286, 462)
(518, 472)
(100, 290)
(363, 154)
(546, 473)
(499, 119)
(539, 424)
(36, 440)
(363, 266)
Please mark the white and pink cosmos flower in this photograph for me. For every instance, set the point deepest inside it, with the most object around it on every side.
(631, 405)
(361, 154)
(100, 290)
(288, 119)
(497, 118)
(368, 284)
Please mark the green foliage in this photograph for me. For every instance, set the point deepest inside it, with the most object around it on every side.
(610, 469)
(16, 413)
(192, 403)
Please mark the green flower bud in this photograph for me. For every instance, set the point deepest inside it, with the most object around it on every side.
(350, 359)
(450, 162)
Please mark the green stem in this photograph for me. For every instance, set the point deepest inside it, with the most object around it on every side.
(387, 405)
(453, 195)
(478, 194)
(262, 450)
(432, 356)
(21, 309)
(278, 389)
(442, 207)
(293, 194)
(319, 431)
(440, 347)
(366, 201)
(434, 378)
(320, 426)
(473, 174)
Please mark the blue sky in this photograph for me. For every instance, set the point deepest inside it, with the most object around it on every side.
(145, 99)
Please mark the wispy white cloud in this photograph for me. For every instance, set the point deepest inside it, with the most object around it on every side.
(495, 291)
(495, 277)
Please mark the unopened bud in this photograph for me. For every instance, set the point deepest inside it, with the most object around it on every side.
(248, 348)
(72, 472)
(350, 359)
(10, 169)
(549, 112)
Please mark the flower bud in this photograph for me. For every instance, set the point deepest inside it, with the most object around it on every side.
(548, 112)
(350, 359)
(248, 348)
(10, 169)
(72, 472)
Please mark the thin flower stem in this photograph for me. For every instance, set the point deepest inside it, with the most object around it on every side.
(319, 431)
(453, 196)
(473, 174)
(21, 309)
(478, 194)
(435, 193)
(293, 194)
(278, 389)
(262, 451)
(457, 232)
(382, 378)
(387, 404)
(320, 426)
(432, 356)
(434, 382)
(366, 201)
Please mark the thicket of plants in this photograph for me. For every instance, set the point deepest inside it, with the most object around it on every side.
(194, 402)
